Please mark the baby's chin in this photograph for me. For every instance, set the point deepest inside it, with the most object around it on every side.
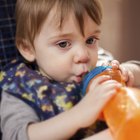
(77, 79)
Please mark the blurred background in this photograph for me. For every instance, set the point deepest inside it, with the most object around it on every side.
(121, 28)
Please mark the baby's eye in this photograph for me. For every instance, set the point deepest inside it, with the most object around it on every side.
(91, 40)
(63, 44)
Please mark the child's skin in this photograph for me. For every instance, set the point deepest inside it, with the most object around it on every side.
(131, 71)
(65, 54)
(106, 134)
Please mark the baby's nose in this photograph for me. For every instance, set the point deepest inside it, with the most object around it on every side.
(81, 55)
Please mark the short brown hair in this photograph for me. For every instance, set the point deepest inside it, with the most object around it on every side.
(31, 14)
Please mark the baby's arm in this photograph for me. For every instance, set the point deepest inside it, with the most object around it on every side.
(134, 68)
(23, 123)
(103, 135)
(20, 122)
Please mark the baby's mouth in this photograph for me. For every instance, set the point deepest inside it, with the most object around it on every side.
(80, 77)
(83, 74)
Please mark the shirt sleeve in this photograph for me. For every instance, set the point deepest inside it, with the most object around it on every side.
(134, 62)
(104, 56)
(15, 117)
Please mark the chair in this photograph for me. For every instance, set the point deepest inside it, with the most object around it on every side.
(8, 50)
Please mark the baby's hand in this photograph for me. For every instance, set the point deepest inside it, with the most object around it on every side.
(101, 90)
(114, 63)
(127, 75)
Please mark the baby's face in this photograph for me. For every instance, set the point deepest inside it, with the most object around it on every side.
(65, 54)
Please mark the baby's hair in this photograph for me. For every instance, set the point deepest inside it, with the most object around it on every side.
(31, 14)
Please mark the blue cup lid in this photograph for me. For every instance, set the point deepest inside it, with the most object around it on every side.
(91, 75)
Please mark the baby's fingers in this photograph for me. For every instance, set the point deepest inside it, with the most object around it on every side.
(128, 76)
(104, 94)
(98, 80)
(130, 79)
(115, 64)
(107, 89)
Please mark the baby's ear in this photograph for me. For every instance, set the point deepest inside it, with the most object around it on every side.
(26, 50)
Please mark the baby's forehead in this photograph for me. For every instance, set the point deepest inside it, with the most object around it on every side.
(59, 19)
(57, 15)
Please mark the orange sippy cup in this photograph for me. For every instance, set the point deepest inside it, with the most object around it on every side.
(122, 112)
